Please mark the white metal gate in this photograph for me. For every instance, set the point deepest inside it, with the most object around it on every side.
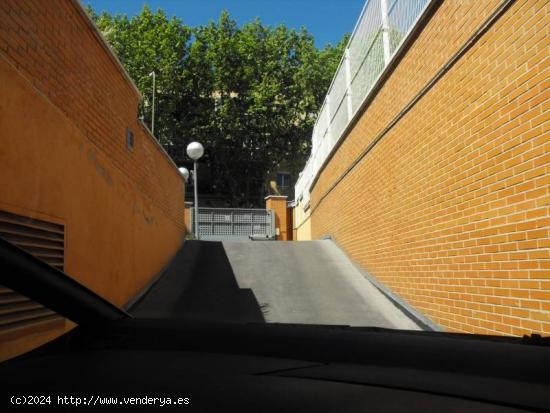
(221, 224)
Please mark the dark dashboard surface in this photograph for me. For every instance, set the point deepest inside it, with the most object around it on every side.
(268, 368)
(243, 365)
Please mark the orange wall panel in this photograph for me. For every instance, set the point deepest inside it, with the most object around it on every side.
(278, 204)
(64, 109)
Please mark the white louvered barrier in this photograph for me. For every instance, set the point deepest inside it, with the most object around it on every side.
(381, 29)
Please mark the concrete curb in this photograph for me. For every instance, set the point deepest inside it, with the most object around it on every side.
(418, 317)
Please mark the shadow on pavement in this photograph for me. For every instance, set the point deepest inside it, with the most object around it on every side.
(199, 285)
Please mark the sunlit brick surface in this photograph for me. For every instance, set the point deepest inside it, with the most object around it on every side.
(52, 45)
(451, 208)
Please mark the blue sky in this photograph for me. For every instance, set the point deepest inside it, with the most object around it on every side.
(327, 20)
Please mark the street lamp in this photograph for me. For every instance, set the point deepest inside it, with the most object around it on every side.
(185, 173)
(195, 150)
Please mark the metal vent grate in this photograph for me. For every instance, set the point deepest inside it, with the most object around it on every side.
(20, 315)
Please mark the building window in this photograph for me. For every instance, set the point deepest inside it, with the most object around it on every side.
(283, 180)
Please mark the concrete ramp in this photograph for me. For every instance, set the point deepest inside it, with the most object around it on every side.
(199, 285)
(311, 282)
(304, 282)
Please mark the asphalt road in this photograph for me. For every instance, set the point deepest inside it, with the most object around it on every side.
(311, 282)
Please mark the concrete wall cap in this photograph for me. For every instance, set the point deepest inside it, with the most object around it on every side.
(275, 197)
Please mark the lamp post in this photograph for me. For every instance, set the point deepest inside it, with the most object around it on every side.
(195, 150)
(185, 173)
(153, 108)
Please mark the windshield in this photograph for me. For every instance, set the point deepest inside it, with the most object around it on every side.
(369, 164)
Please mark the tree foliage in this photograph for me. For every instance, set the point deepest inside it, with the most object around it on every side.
(248, 93)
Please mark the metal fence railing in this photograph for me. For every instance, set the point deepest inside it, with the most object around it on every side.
(382, 27)
(219, 224)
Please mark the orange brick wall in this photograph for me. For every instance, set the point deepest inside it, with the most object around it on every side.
(64, 109)
(52, 45)
(451, 207)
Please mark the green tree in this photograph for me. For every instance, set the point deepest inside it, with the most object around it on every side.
(152, 42)
(250, 94)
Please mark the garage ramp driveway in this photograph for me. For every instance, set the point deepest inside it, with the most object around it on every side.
(311, 282)
(304, 282)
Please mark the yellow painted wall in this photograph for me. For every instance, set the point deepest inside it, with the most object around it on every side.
(302, 223)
